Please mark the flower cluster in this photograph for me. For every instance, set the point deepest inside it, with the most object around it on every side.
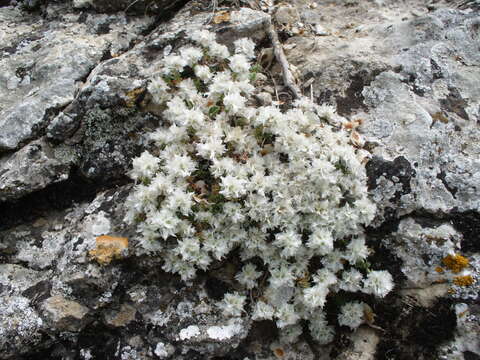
(283, 188)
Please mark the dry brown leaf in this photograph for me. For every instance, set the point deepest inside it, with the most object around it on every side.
(221, 16)
(199, 200)
(368, 314)
(356, 139)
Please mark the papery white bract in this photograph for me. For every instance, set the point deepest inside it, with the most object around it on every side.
(144, 166)
(378, 283)
(352, 314)
(246, 47)
(232, 304)
(285, 190)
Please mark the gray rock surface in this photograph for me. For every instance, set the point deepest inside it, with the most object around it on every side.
(30, 169)
(412, 77)
(73, 113)
(42, 64)
(64, 315)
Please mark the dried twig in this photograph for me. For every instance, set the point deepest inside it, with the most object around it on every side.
(288, 78)
(274, 86)
(130, 5)
(212, 15)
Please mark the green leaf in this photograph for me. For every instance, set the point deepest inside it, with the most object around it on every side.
(214, 110)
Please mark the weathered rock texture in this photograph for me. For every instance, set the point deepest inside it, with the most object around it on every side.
(73, 112)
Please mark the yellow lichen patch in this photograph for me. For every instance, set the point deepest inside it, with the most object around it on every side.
(439, 270)
(133, 96)
(455, 263)
(108, 248)
(466, 280)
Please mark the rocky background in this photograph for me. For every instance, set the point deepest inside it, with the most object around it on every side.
(73, 111)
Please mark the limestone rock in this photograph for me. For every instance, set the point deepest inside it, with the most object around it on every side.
(65, 315)
(20, 326)
(74, 105)
(122, 317)
(363, 347)
(399, 76)
(30, 169)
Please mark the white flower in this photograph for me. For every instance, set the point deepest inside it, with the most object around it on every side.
(211, 149)
(203, 37)
(320, 330)
(248, 276)
(289, 241)
(232, 304)
(244, 86)
(246, 47)
(188, 91)
(356, 250)
(203, 72)
(328, 113)
(202, 260)
(234, 102)
(175, 112)
(223, 166)
(159, 90)
(352, 315)
(234, 212)
(315, 296)
(333, 261)
(144, 166)
(321, 241)
(351, 280)
(188, 248)
(263, 311)
(173, 134)
(191, 55)
(281, 276)
(239, 64)
(180, 165)
(286, 315)
(221, 84)
(378, 283)
(161, 185)
(325, 277)
(232, 187)
(164, 221)
(181, 201)
(219, 51)
(366, 208)
(285, 177)
(174, 63)
(216, 245)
